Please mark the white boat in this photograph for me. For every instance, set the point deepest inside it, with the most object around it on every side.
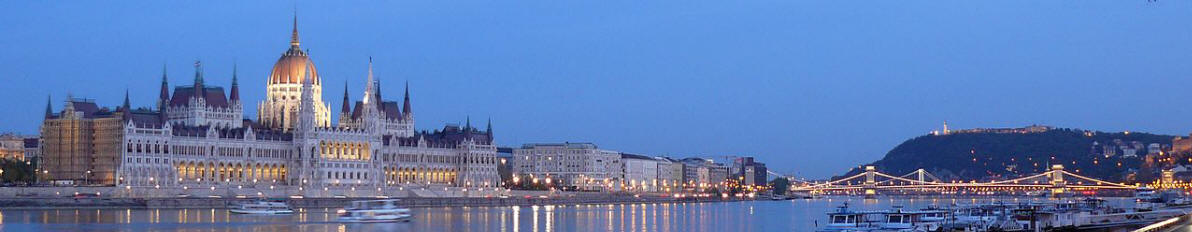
(262, 207)
(374, 211)
(896, 220)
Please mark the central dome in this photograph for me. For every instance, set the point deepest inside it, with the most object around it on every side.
(291, 68)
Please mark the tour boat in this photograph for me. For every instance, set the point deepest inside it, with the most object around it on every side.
(845, 220)
(374, 211)
(896, 220)
(262, 207)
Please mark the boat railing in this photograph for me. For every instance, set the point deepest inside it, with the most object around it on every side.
(1165, 224)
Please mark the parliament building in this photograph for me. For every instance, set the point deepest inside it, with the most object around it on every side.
(198, 141)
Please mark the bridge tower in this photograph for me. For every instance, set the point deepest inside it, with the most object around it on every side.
(922, 174)
(870, 183)
(1057, 179)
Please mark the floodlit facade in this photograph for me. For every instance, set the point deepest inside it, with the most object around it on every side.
(198, 140)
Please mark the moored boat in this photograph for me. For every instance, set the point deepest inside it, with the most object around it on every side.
(261, 207)
(374, 211)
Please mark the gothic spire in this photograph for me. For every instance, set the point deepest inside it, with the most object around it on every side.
(489, 130)
(347, 107)
(368, 85)
(49, 107)
(468, 127)
(406, 106)
(377, 88)
(306, 117)
(199, 91)
(165, 90)
(126, 105)
(126, 109)
(234, 94)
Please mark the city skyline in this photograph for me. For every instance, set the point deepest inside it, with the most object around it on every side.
(810, 115)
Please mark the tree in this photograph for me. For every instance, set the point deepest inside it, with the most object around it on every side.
(780, 185)
(16, 171)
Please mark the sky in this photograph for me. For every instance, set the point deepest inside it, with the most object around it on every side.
(811, 88)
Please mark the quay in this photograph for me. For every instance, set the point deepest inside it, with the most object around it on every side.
(413, 202)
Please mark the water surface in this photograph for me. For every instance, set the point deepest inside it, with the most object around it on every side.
(795, 215)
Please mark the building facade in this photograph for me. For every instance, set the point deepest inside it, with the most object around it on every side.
(12, 147)
(198, 140)
(579, 165)
(749, 172)
(670, 174)
(32, 149)
(81, 145)
(641, 172)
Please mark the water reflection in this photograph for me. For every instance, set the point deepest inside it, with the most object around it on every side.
(797, 215)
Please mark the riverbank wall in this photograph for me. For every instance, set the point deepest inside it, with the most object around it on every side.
(413, 202)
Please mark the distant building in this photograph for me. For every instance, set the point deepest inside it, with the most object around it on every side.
(32, 149)
(748, 171)
(1154, 148)
(579, 165)
(717, 174)
(1129, 151)
(641, 172)
(1181, 145)
(670, 173)
(505, 164)
(703, 173)
(12, 147)
(695, 171)
(81, 144)
(1022, 130)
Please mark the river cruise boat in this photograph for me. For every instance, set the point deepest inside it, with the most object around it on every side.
(374, 211)
(896, 220)
(261, 207)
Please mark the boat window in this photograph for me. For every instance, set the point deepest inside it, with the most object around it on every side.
(894, 218)
(838, 219)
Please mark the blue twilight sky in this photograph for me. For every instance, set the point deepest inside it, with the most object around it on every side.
(810, 87)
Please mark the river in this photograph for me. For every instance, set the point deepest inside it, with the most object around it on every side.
(794, 215)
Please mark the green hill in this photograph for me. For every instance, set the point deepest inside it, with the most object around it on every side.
(989, 155)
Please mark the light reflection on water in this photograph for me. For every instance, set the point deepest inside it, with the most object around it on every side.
(796, 215)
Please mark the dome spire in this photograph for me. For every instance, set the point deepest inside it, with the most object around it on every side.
(294, 36)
